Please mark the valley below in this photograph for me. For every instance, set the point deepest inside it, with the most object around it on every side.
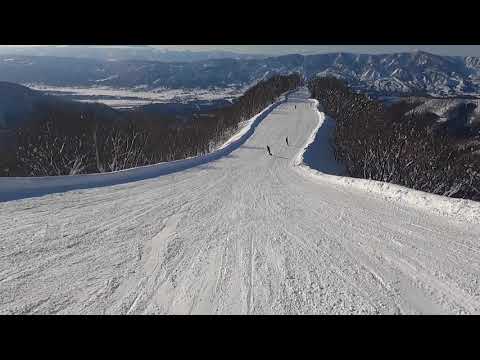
(127, 98)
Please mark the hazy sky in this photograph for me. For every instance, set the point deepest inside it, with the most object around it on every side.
(455, 50)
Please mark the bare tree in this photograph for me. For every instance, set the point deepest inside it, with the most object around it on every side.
(385, 144)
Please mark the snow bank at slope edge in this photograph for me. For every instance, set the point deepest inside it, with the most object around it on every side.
(459, 209)
(13, 188)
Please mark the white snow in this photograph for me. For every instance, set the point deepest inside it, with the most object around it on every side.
(107, 78)
(326, 168)
(19, 187)
(246, 233)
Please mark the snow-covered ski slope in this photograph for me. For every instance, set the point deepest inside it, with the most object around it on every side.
(246, 233)
(13, 188)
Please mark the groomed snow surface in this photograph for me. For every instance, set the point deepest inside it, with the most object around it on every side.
(13, 188)
(245, 233)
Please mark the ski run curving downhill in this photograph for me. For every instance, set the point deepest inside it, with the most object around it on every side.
(243, 233)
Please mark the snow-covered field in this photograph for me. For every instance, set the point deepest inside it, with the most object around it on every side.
(128, 98)
(246, 233)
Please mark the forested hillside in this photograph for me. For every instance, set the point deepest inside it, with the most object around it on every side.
(394, 144)
(62, 139)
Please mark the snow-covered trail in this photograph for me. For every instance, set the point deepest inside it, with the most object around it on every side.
(246, 234)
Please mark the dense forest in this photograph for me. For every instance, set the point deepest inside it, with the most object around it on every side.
(62, 140)
(391, 144)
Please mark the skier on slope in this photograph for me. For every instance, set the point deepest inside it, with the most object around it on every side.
(268, 149)
(286, 139)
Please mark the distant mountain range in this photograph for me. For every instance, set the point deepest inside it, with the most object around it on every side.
(123, 53)
(390, 74)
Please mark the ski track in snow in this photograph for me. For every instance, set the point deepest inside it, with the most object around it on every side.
(245, 234)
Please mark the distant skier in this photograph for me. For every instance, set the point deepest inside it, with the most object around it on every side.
(286, 139)
(295, 107)
(268, 149)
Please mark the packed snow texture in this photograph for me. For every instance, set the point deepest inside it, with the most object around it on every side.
(12, 188)
(247, 233)
(318, 162)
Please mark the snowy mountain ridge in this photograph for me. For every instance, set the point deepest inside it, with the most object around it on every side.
(399, 73)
